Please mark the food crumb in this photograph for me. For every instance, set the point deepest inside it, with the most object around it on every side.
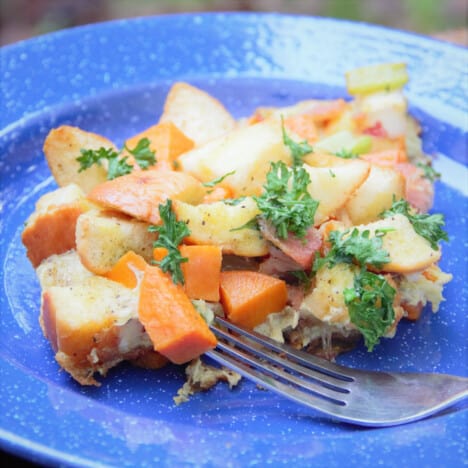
(201, 377)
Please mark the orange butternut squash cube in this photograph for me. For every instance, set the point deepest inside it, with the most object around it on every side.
(140, 193)
(166, 140)
(248, 297)
(174, 326)
(202, 271)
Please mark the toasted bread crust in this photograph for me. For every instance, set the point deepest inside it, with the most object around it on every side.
(52, 233)
(92, 325)
(197, 114)
(61, 148)
(103, 237)
(50, 230)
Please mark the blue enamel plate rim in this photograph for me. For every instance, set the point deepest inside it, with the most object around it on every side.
(29, 96)
(66, 40)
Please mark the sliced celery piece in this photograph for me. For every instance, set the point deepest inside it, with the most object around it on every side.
(373, 78)
(362, 145)
(344, 140)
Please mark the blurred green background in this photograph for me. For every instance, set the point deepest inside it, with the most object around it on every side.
(447, 19)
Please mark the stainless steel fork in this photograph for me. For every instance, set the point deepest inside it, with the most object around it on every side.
(360, 397)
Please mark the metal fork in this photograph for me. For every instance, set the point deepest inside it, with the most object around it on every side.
(365, 398)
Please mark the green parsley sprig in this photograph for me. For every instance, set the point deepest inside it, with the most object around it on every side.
(346, 154)
(370, 306)
(303, 278)
(370, 301)
(298, 150)
(286, 202)
(429, 172)
(357, 247)
(233, 201)
(143, 154)
(216, 181)
(117, 165)
(426, 225)
(171, 234)
(250, 224)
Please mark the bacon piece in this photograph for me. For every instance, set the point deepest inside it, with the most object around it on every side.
(419, 191)
(302, 251)
(278, 263)
(303, 125)
(376, 130)
(295, 296)
(327, 110)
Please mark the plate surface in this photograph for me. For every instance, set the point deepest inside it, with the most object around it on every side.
(111, 78)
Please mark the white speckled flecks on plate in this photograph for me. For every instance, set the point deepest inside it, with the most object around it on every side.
(112, 78)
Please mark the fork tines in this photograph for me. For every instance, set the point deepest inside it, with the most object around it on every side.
(357, 396)
(295, 374)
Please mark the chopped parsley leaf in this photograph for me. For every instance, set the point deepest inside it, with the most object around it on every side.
(118, 166)
(286, 202)
(357, 247)
(370, 306)
(171, 235)
(346, 154)
(426, 225)
(216, 181)
(298, 150)
(429, 172)
(143, 154)
(233, 201)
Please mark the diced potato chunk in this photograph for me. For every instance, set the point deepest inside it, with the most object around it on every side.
(213, 223)
(332, 186)
(375, 195)
(247, 151)
(408, 251)
(326, 301)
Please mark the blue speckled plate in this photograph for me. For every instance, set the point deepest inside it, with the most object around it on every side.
(112, 78)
